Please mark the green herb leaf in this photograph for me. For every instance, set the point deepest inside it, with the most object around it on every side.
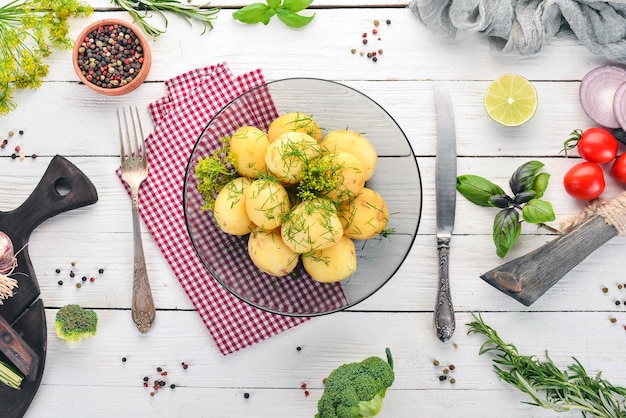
(538, 211)
(293, 19)
(506, 230)
(523, 197)
(297, 5)
(254, 13)
(286, 12)
(523, 178)
(477, 190)
(540, 184)
(548, 386)
(28, 31)
(141, 10)
(500, 201)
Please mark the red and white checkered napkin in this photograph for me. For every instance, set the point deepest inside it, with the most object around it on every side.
(180, 117)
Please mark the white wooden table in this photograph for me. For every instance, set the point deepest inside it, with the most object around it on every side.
(572, 319)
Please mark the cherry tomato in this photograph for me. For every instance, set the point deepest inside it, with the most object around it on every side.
(584, 181)
(618, 170)
(596, 145)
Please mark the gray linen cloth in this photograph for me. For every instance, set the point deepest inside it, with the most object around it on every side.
(524, 26)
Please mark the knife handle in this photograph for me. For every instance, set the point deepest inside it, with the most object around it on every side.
(16, 349)
(444, 310)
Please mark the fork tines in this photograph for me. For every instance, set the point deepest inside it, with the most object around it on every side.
(130, 147)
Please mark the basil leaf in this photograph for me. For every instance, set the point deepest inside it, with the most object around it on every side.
(292, 19)
(296, 5)
(523, 178)
(541, 184)
(524, 197)
(254, 13)
(500, 201)
(506, 230)
(274, 4)
(538, 211)
(477, 190)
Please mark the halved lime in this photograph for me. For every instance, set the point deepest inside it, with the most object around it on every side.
(511, 100)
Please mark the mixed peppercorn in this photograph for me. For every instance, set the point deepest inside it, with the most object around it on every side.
(111, 56)
(368, 49)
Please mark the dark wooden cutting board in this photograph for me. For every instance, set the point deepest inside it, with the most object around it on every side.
(63, 187)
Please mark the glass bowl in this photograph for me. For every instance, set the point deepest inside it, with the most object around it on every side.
(397, 179)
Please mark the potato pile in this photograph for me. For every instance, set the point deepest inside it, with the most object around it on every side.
(301, 196)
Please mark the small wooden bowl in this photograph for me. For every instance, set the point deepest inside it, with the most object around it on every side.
(122, 89)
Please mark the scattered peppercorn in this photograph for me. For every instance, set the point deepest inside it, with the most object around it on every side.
(172, 386)
(453, 380)
(57, 271)
(73, 263)
(159, 369)
(60, 282)
(101, 271)
(14, 156)
(72, 274)
(613, 320)
(442, 378)
(306, 393)
(11, 133)
(446, 370)
(146, 378)
(436, 362)
(123, 359)
(388, 21)
(185, 365)
(617, 303)
(21, 132)
(246, 395)
(152, 393)
(605, 290)
(78, 285)
(619, 286)
(84, 278)
(452, 367)
(92, 279)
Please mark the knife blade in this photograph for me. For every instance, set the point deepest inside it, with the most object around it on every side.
(445, 197)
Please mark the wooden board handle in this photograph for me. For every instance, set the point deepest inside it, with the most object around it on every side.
(528, 277)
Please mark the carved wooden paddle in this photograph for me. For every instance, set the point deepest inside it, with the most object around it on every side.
(528, 277)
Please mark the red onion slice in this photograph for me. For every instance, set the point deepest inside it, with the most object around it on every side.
(619, 105)
(596, 93)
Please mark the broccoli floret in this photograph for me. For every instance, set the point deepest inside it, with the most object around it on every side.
(356, 390)
(73, 323)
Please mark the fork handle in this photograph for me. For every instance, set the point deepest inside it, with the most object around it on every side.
(143, 311)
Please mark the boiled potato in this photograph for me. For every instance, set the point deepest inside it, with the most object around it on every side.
(270, 254)
(365, 216)
(312, 225)
(294, 122)
(355, 143)
(230, 209)
(346, 171)
(267, 202)
(287, 156)
(333, 263)
(247, 146)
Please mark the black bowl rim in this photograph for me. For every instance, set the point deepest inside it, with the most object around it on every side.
(261, 307)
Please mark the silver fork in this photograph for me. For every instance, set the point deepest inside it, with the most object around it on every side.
(134, 171)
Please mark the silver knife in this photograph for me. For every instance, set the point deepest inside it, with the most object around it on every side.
(445, 187)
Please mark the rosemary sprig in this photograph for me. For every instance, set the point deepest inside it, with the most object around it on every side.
(10, 376)
(140, 11)
(548, 386)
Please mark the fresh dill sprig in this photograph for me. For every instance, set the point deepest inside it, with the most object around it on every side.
(549, 387)
(214, 172)
(29, 29)
(141, 10)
